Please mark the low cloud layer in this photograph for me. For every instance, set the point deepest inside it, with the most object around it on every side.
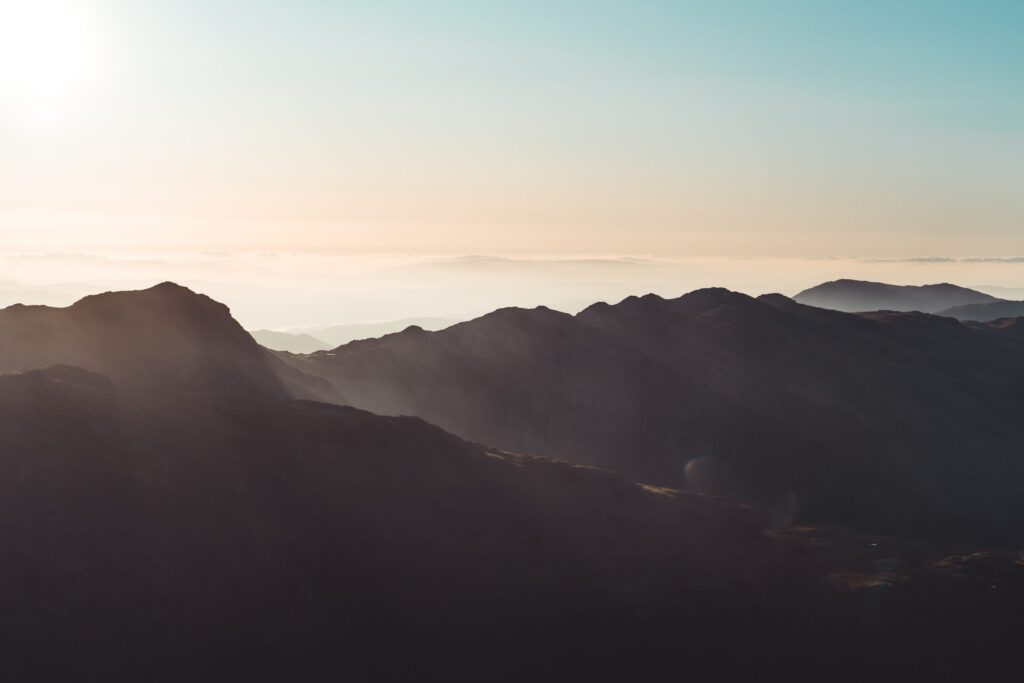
(296, 289)
(949, 259)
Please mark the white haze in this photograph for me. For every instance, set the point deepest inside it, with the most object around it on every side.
(287, 290)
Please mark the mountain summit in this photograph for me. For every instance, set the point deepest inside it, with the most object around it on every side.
(165, 339)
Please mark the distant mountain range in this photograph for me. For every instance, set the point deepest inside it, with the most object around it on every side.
(336, 335)
(310, 340)
(855, 296)
(830, 414)
(943, 299)
(287, 341)
(172, 512)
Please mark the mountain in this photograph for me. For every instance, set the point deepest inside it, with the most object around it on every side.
(212, 537)
(853, 296)
(286, 341)
(336, 335)
(902, 423)
(166, 339)
(986, 312)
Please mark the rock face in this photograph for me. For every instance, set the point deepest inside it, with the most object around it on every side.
(900, 422)
(854, 296)
(166, 339)
(201, 537)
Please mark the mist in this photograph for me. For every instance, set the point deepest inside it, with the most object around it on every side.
(289, 290)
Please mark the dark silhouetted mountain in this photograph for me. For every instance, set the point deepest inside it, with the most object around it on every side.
(205, 537)
(855, 296)
(163, 339)
(986, 312)
(336, 335)
(902, 422)
(286, 341)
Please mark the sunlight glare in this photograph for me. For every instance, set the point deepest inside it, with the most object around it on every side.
(50, 56)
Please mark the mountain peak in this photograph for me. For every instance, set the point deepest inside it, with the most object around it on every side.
(651, 306)
(166, 291)
(168, 285)
(164, 339)
(704, 300)
(716, 294)
(515, 314)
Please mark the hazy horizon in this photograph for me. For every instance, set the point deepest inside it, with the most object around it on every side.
(288, 290)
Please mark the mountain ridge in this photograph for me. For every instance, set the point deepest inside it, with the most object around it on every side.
(772, 397)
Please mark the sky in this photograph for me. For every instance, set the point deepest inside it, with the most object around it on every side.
(783, 134)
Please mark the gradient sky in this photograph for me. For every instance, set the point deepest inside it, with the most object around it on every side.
(784, 129)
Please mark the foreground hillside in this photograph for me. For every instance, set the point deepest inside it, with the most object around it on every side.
(210, 538)
(902, 423)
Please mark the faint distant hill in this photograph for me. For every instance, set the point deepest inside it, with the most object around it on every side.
(853, 296)
(166, 339)
(336, 335)
(287, 341)
(986, 312)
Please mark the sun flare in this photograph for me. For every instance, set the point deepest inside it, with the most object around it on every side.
(50, 56)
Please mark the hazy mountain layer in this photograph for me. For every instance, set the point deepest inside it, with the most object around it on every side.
(855, 295)
(336, 335)
(286, 341)
(986, 312)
